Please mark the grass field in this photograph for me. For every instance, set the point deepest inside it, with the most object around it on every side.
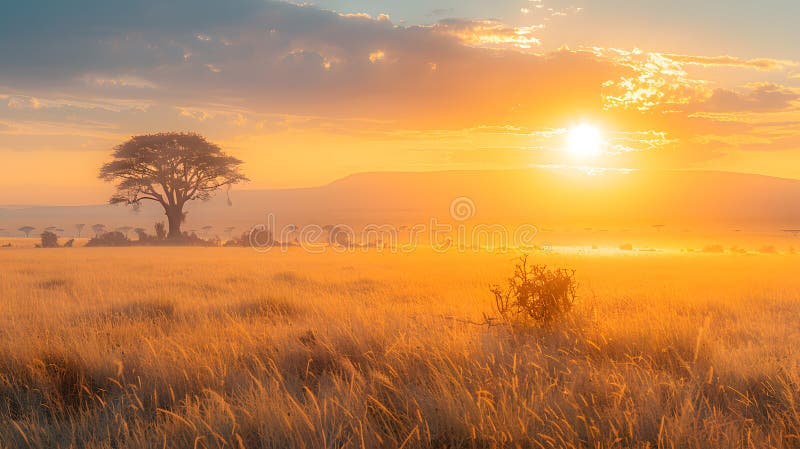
(213, 348)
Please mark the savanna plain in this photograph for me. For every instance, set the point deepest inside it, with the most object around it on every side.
(229, 348)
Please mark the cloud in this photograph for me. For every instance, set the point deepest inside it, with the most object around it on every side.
(762, 97)
(655, 81)
(487, 33)
(762, 64)
(274, 57)
(19, 102)
(244, 69)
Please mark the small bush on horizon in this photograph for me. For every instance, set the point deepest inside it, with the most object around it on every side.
(114, 238)
(626, 247)
(536, 295)
(49, 240)
(161, 230)
(261, 237)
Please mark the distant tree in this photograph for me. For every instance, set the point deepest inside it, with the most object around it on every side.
(141, 234)
(339, 235)
(110, 239)
(49, 240)
(98, 229)
(170, 169)
(26, 230)
(328, 228)
(292, 229)
(125, 230)
(161, 230)
(229, 231)
(79, 229)
(206, 229)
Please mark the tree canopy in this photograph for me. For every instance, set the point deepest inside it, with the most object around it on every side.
(170, 169)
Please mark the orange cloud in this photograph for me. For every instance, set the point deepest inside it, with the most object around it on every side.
(758, 97)
(762, 64)
(656, 81)
(488, 33)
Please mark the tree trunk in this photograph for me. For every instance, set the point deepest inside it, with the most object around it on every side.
(174, 217)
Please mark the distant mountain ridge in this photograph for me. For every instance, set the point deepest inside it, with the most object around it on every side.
(537, 196)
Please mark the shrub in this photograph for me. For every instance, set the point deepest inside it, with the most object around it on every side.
(161, 230)
(768, 249)
(714, 249)
(49, 240)
(626, 247)
(144, 310)
(141, 235)
(110, 239)
(260, 237)
(536, 295)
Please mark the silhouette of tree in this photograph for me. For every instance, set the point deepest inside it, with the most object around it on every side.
(292, 229)
(206, 229)
(170, 169)
(98, 229)
(53, 229)
(26, 230)
(328, 228)
(141, 233)
(79, 228)
(49, 240)
(229, 231)
(125, 230)
(161, 230)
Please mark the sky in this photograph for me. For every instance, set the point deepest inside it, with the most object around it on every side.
(306, 93)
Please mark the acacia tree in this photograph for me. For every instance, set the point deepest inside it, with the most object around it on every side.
(170, 169)
(125, 230)
(26, 230)
(98, 229)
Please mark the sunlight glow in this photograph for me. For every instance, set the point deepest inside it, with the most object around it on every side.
(585, 141)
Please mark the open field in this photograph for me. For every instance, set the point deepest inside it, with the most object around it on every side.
(212, 347)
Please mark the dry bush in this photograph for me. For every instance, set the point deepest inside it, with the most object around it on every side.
(144, 310)
(113, 238)
(53, 284)
(49, 240)
(266, 307)
(536, 295)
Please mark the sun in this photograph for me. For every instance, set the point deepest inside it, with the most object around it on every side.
(585, 141)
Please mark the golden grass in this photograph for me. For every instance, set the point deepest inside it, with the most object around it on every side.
(211, 347)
